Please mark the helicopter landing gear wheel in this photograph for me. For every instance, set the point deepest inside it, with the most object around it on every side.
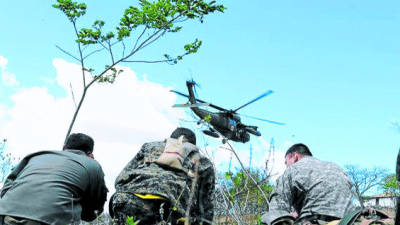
(224, 140)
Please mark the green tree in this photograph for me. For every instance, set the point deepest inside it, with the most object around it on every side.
(245, 196)
(139, 27)
(390, 185)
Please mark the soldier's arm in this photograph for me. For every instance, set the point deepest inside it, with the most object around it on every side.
(95, 196)
(281, 199)
(8, 183)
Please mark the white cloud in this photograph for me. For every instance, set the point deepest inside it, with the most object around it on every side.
(7, 78)
(3, 113)
(120, 117)
(3, 62)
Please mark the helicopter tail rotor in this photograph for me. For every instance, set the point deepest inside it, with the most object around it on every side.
(193, 84)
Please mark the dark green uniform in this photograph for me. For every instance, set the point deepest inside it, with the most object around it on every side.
(143, 175)
(54, 187)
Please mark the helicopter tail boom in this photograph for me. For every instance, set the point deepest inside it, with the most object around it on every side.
(190, 85)
(199, 112)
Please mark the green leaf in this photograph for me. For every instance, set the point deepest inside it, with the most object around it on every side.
(193, 47)
(129, 220)
(71, 9)
(228, 175)
(237, 180)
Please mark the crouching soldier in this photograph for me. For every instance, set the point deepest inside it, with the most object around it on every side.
(55, 187)
(166, 181)
(310, 191)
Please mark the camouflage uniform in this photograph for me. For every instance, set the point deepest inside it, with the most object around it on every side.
(144, 176)
(145, 210)
(310, 187)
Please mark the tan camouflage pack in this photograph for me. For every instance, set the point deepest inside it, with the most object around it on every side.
(174, 154)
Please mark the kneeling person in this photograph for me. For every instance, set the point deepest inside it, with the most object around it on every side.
(55, 187)
(156, 184)
(309, 189)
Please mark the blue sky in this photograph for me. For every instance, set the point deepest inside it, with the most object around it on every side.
(333, 65)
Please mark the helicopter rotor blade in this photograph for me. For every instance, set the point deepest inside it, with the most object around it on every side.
(201, 101)
(256, 99)
(187, 96)
(191, 105)
(218, 108)
(268, 121)
(180, 93)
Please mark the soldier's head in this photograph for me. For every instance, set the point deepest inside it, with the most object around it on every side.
(295, 153)
(81, 142)
(188, 135)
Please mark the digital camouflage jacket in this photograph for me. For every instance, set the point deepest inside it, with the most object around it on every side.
(309, 187)
(144, 176)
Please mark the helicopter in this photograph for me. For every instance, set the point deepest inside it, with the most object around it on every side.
(225, 123)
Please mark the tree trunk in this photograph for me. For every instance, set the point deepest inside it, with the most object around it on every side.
(361, 200)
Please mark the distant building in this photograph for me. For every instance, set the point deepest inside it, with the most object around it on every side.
(380, 201)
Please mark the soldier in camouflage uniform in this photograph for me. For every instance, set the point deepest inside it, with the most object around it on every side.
(310, 190)
(151, 191)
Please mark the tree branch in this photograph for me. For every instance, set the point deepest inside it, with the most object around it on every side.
(59, 48)
(247, 174)
(234, 213)
(123, 48)
(145, 61)
(110, 50)
(81, 56)
(134, 50)
(73, 96)
(137, 40)
(141, 44)
(155, 39)
(95, 51)
(84, 86)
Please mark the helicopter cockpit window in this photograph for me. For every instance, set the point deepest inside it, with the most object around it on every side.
(232, 124)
